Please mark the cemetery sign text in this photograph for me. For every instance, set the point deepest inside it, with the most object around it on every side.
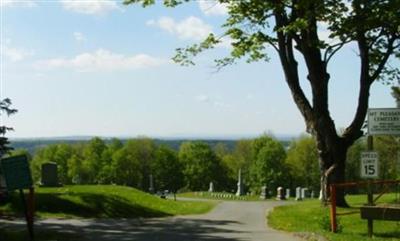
(384, 121)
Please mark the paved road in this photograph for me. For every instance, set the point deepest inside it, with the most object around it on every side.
(229, 221)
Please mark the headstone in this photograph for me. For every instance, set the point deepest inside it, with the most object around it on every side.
(264, 192)
(151, 186)
(287, 196)
(304, 193)
(239, 191)
(312, 195)
(279, 194)
(76, 180)
(50, 175)
(298, 194)
(211, 187)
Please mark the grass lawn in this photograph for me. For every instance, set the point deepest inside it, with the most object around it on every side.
(310, 217)
(102, 201)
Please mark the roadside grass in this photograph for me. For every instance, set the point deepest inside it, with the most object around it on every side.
(311, 217)
(219, 196)
(101, 201)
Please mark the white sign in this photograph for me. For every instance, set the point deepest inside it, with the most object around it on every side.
(384, 121)
(369, 164)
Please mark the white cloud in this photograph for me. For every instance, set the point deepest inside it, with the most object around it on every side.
(191, 28)
(102, 60)
(17, 3)
(212, 7)
(79, 37)
(96, 7)
(202, 98)
(14, 54)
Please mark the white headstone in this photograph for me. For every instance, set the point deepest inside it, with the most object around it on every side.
(263, 194)
(287, 196)
(279, 194)
(211, 187)
(298, 194)
(239, 191)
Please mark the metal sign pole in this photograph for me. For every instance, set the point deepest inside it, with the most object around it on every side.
(26, 212)
(370, 147)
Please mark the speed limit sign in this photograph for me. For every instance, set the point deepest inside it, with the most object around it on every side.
(369, 164)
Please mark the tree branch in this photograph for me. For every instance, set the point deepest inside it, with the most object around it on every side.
(285, 50)
(332, 50)
(353, 131)
(384, 60)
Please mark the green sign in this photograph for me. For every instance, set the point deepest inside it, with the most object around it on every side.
(16, 172)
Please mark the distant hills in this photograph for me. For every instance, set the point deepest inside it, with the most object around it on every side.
(31, 144)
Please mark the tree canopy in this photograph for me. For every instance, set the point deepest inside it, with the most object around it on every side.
(5, 108)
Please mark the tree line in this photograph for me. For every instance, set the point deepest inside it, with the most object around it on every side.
(263, 161)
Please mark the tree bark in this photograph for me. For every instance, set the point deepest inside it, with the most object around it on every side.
(332, 152)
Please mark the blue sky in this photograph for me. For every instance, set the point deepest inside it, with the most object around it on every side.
(77, 67)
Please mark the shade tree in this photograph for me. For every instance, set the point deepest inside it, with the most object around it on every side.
(293, 29)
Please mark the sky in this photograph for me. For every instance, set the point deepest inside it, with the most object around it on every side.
(99, 68)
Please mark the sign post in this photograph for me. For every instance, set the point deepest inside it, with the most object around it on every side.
(17, 176)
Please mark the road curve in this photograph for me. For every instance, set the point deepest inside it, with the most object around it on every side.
(229, 221)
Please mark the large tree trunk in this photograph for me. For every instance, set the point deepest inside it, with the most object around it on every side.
(332, 158)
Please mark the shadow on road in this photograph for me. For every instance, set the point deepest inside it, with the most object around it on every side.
(177, 229)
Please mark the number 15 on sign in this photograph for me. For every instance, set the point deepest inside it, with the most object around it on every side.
(369, 164)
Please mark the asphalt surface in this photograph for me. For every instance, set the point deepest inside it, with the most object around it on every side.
(229, 221)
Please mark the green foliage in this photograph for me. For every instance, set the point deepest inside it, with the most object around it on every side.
(5, 107)
(92, 159)
(353, 160)
(263, 161)
(302, 161)
(268, 167)
(396, 95)
(239, 158)
(201, 166)
(324, 222)
(167, 170)
(388, 148)
(126, 164)
(60, 154)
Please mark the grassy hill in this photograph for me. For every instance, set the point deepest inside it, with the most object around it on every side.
(311, 220)
(102, 201)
